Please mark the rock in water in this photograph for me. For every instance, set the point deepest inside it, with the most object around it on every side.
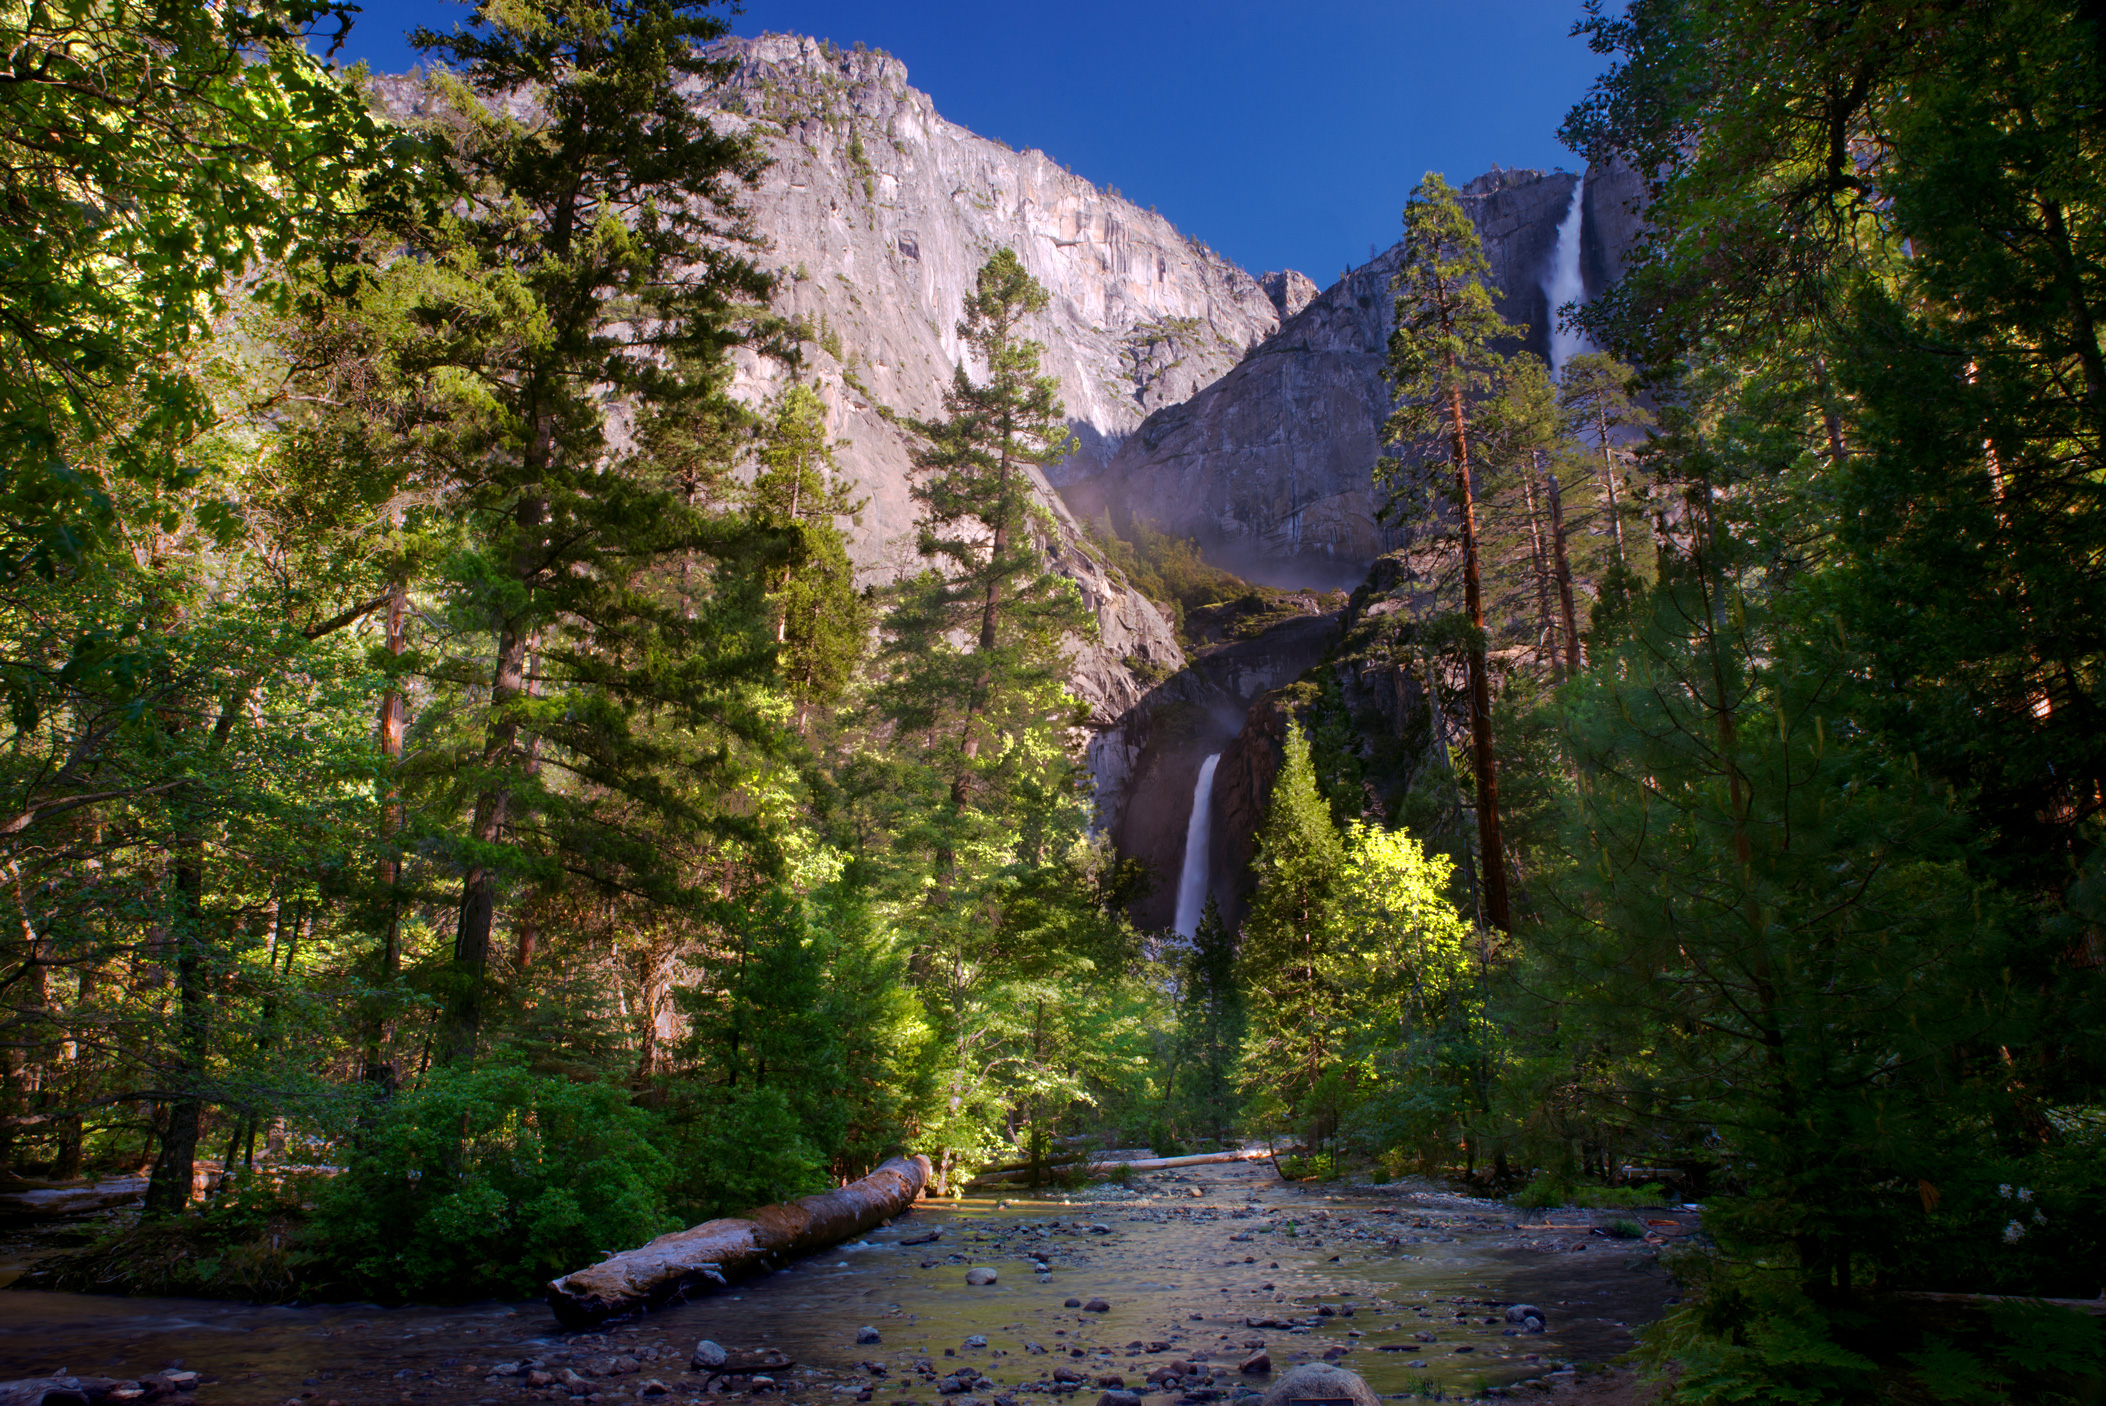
(1072, 1303)
(1527, 1315)
(1259, 1361)
(1320, 1381)
(708, 1356)
(976, 1341)
(980, 1276)
(866, 1335)
(1119, 1398)
(1096, 1306)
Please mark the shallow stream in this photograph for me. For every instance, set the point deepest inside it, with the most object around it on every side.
(1416, 1281)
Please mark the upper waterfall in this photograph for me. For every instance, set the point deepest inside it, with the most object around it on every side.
(1562, 283)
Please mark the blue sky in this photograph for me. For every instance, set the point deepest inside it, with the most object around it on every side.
(1283, 135)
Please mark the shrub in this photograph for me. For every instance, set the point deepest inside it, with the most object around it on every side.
(489, 1182)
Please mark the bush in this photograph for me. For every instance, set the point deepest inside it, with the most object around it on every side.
(1547, 1189)
(738, 1148)
(489, 1182)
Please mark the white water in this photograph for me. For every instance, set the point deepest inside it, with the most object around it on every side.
(1192, 886)
(1562, 283)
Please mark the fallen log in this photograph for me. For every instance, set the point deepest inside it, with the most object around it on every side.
(734, 1247)
(1139, 1164)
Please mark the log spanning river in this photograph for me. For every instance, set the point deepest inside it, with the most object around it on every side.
(1204, 1267)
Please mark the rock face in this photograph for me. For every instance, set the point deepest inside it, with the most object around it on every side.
(1147, 765)
(879, 213)
(1269, 467)
(1290, 291)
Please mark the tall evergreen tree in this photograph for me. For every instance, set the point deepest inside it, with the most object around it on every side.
(821, 623)
(603, 230)
(1441, 358)
(1291, 1000)
(1211, 1020)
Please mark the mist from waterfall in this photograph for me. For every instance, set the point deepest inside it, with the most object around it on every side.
(1562, 283)
(1192, 885)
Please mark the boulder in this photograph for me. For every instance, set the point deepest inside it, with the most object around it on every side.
(867, 1335)
(1096, 1306)
(980, 1276)
(1320, 1381)
(1258, 1362)
(708, 1356)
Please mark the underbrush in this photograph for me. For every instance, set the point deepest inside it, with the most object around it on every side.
(1324, 1166)
(1747, 1333)
(249, 1243)
(1545, 1191)
(483, 1183)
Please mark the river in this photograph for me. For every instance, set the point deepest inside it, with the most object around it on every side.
(1415, 1280)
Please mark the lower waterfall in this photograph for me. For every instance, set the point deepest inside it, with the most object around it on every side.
(1192, 885)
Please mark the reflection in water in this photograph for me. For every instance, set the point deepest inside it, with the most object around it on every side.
(1415, 1285)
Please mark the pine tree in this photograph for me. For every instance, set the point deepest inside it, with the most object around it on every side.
(973, 479)
(822, 623)
(1596, 403)
(1441, 358)
(1292, 1004)
(1210, 1028)
(600, 236)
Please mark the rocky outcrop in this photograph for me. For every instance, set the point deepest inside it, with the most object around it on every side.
(1611, 221)
(878, 213)
(1146, 766)
(1289, 289)
(1270, 467)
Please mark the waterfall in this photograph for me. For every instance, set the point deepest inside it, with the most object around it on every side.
(1562, 283)
(1192, 885)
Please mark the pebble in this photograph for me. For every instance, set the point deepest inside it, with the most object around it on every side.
(707, 1354)
(1073, 1303)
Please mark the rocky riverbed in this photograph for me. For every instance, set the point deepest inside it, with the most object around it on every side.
(1183, 1289)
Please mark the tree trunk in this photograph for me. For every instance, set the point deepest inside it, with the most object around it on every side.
(168, 1188)
(1490, 842)
(1540, 557)
(735, 1247)
(1564, 575)
(471, 943)
(1608, 484)
(390, 727)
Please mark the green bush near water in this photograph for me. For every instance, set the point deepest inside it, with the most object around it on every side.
(1545, 1190)
(490, 1182)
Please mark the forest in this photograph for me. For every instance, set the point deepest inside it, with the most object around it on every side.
(462, 809)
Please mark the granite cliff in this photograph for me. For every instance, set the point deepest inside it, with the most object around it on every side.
(877, 214)
(1268, 468)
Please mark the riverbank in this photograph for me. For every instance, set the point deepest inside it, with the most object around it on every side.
(1407, 1285)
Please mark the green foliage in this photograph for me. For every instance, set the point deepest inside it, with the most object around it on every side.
(186, 146)
(488, 1182)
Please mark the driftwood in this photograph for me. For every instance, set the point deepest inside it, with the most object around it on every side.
(1139, 1164)
(719, 1251)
